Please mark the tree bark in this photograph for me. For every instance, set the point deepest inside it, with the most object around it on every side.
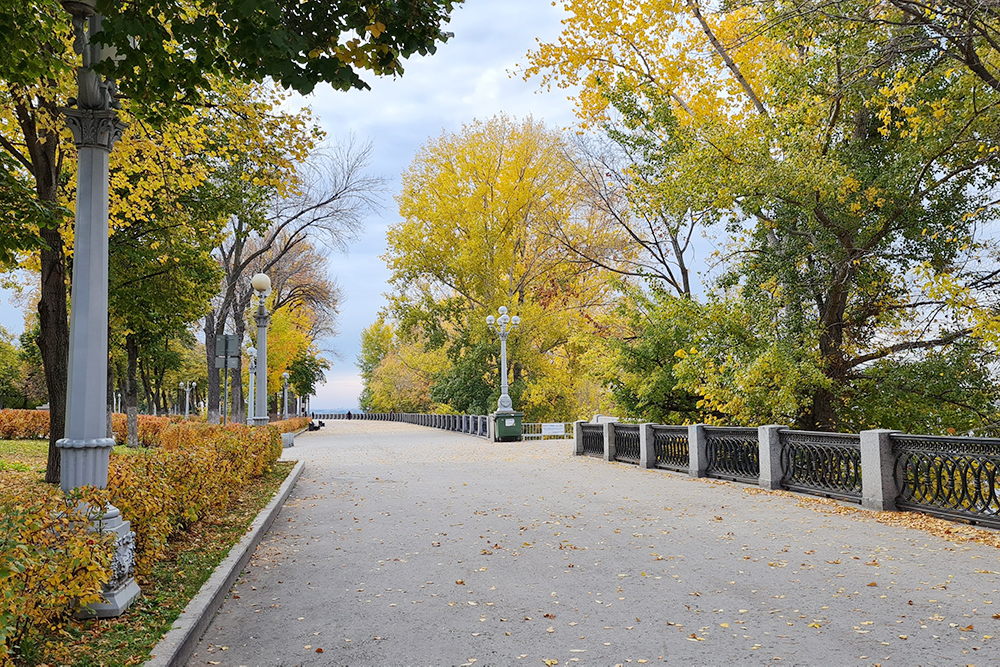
(132, 392)
(53, 341)
(212, 399)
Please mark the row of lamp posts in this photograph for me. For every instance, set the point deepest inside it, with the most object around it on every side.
(86, 447)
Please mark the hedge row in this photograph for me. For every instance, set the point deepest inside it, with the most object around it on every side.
(192, 474)
(34, 425)
(49, 561)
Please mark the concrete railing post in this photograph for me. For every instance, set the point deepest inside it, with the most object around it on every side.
(769, 442)
(609, 441)
(647, 452)
(578, 437)
(878, 487)
(697, 450)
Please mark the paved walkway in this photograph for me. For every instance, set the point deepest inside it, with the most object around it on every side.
(404, 545)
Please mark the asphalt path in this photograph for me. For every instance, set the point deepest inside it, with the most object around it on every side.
(405, 545)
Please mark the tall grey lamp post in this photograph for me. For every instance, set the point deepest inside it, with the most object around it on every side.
(262, 286)
(285, 376)
(507, 423)
(187, 387)
(86, 449)
(252, 353)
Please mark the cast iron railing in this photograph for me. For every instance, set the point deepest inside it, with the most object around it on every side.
(593, 439)
(826, 464)
(733, 453)
(951, 477)
(670, 444)
(627, 443)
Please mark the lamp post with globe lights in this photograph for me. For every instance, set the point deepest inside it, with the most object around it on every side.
(252, 353)
(187, 387)
(262, 286)
(85, 450)
(507, 422)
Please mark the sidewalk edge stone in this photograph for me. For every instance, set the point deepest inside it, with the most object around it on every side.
(176, 646)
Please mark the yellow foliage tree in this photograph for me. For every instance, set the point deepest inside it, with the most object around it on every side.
(480, 208)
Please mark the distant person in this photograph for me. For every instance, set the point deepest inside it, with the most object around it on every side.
(349, 415)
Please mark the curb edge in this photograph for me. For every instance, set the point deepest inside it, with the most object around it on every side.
(176, 646)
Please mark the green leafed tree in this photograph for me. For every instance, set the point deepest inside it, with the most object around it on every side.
(170, 54)
(849, 173)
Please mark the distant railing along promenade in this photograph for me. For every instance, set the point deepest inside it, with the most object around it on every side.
(478, 425)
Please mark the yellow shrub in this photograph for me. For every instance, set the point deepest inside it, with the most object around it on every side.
(191, 475)
(24, 424)
(150, 429)
(50, 560)
(289, 425)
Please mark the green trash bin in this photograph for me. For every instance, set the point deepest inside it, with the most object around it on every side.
(507, 426)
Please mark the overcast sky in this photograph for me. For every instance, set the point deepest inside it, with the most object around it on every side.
(467, 78)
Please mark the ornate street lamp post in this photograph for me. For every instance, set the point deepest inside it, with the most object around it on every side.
(187, 387)
(252, 353)
(86, 449)
(284, 376)
(262, 286)
(507, 423)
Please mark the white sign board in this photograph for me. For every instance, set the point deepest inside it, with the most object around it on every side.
(553, 429)
(508, 422)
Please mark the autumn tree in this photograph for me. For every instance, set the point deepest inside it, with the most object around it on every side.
(479, 207)
(398, 373)
(850, 176)
(183, 50)
(279, 228)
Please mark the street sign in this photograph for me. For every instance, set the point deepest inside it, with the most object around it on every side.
(553, 429)
(227, 355)
(227, 345)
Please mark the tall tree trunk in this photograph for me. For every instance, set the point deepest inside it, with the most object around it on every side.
(825, 415)
(213, 392)
(236, 391)
(132, 392)
(53, 340)
(41, 143)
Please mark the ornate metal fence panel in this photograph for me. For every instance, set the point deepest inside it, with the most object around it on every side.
(593, 440)
(733, 453)
(825, 464)
(671, 445)
(951, 477)
(627, 443)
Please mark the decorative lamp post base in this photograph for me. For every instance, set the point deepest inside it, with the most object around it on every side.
(122, 590)
(260, 421)
(84, 461)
